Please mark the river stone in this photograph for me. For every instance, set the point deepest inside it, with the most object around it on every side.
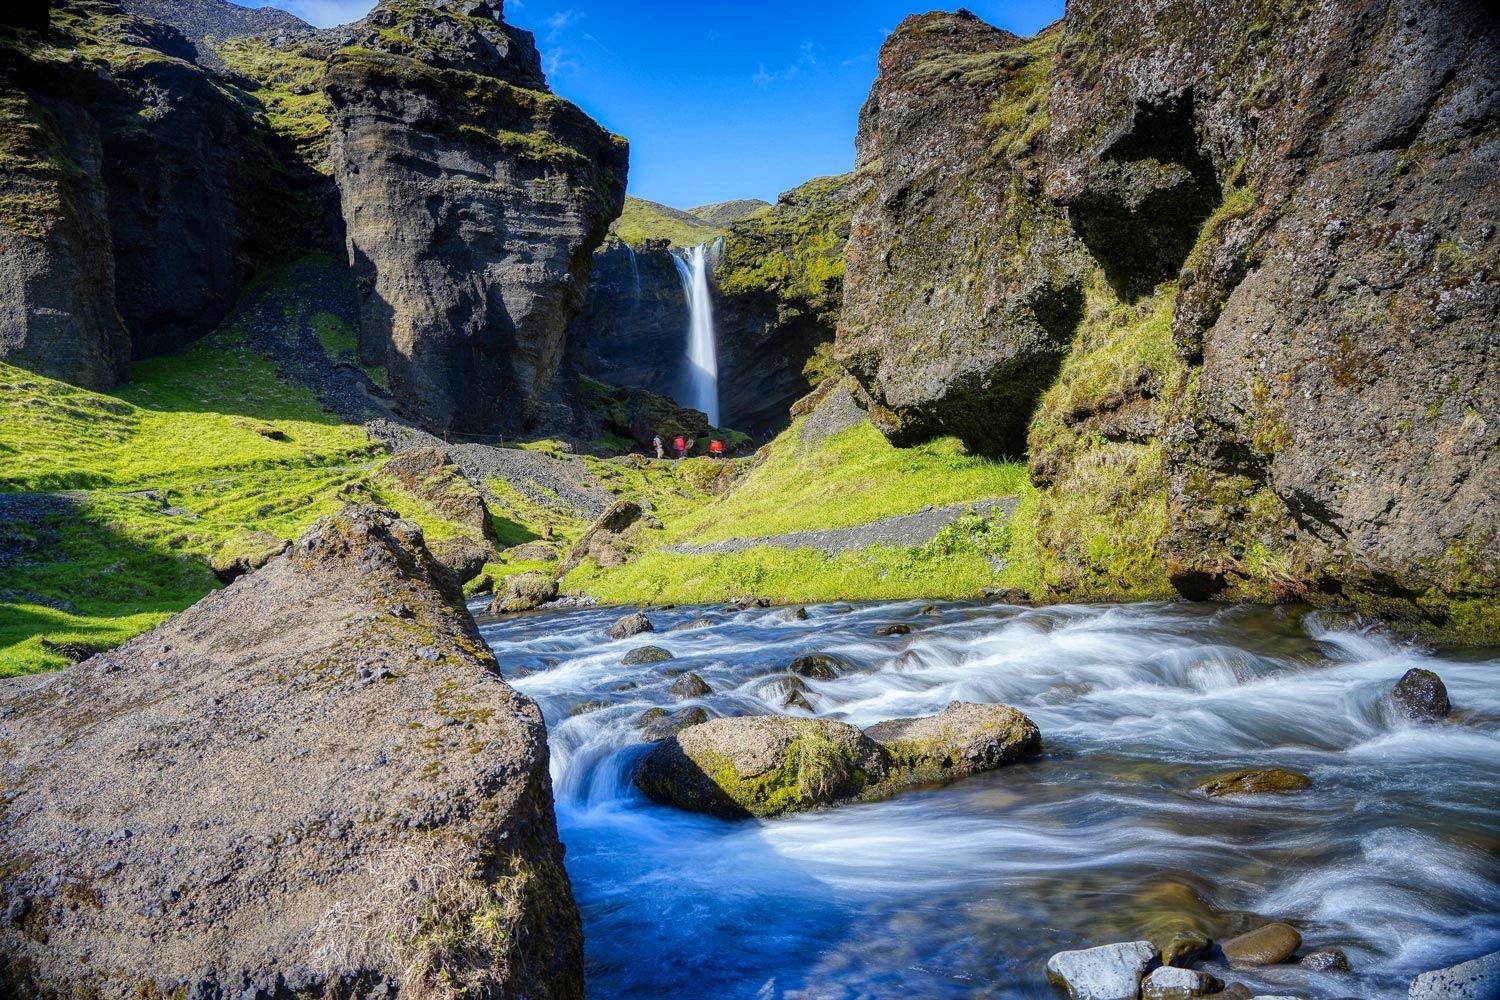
(690, 686)
(795, 614)
(1169, 983)
(1474, 980)
(760, 766)
(1108, 972)
(789, 692)
(1254, 781)
(646, 654)
(662, 725)
(524, 592)
(282, 813)
(1422, 696)
(631, 625)
(696, 623)
(1265, 945)
(1331, 960)
(961, 740)
(896, 629)
(818, 666)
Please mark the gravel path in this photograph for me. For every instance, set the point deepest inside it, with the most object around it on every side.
(905, 530)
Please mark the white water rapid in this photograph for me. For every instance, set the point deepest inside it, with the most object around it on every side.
(702, 351)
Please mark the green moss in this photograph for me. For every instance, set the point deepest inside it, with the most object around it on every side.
(1021, 113)
(643, 220)
(1237, 203)
(813, 768)
(286, 84)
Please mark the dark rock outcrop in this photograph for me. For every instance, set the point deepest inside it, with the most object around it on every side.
(1421, 695)
(473, 200)
(313, 782)
(1228, 271)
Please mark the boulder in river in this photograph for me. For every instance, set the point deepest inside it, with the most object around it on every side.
(1327, 960)
(646, 654)
(631, 625)
(768, 765)
(1168, 983)
(1254, 781)
(1108, 972)
(1474, 980)
(818, 666)
(1266, 945)
(899, 628)
(690, 685)
(961, 740)
(524, 592)
(1422, 696)
(222, 806)
(664, 725)
(689, 626)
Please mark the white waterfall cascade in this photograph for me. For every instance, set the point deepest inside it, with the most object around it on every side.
(702, 350)
(635, 275)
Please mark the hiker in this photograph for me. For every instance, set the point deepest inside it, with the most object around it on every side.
(656, 443)
(716, 448)
(681, 445)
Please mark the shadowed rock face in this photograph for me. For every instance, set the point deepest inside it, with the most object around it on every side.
(473, 200)
(1306, 193)
(311, 783)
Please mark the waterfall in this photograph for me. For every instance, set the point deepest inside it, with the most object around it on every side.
(702, 352)
(635, 275)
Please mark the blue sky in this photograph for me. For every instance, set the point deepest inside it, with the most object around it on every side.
(720, 98)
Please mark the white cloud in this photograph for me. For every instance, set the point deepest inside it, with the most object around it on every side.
(763, 77)
(556, 61)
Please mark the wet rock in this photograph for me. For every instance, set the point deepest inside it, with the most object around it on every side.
(524, 592)
(1330, 960)
(1169, 983)
(961, 740)
(817, 666)
(646, 654)
(630, 625)
(1108, 972)
(1254, 781)
(267, 672)
(586, 707)
(795, 614)
(690, 686)
(696, 623)
(1266, 945)
(1007, 595)
(790, 692)
(1474, 980)
(664, 725)
(896, 629)
(1234, 991)
(1422, 696)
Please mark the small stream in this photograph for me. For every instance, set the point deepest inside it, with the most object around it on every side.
(964, 891)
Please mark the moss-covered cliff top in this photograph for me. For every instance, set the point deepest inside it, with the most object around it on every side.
(644, 220)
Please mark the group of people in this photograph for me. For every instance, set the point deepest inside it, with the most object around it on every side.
(682, 445)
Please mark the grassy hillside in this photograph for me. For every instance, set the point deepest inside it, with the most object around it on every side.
(727, 213)
(854, 477)
(646, 220)
(127, 496)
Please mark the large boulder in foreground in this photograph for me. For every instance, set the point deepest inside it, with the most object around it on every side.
(772, 764)
(313, 782)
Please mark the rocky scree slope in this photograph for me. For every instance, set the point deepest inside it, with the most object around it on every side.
(312, 783)
(474, 199)
(1227, 273)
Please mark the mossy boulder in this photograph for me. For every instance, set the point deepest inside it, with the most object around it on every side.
(690, 686)
(772, 764)
(646, 654)
(524, 592)
(662, 725)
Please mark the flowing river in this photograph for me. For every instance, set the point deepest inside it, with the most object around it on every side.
(964, 891)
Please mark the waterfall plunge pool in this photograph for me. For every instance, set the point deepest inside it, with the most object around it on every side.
(965, 891)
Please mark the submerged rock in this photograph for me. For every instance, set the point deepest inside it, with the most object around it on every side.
(1168, 983)
(1254, 781)
(1267, 945)
(818, 667)
(323, 816)
(630, 625)
(1328, 960)
(1474, 980)
(1422, 696)
(696, 623)
(646, 654)
(1108, 972)
(899, 628)
(768, 765)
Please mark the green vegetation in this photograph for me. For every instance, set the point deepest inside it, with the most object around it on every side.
(1021, 114)
(727, 213)
(794, 251)
(644, 220)
(287, 84)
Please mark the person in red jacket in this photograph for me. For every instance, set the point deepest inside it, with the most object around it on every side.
(681, 445)
(716, 448)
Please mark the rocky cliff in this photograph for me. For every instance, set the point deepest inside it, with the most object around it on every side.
(313, 783)
(1226, 272)
(473, 200)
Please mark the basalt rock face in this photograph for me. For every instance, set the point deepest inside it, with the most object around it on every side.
(313, 783)
(963, 285)
(632, 331)
(139, 202)
(473, 201)
(1271, 228)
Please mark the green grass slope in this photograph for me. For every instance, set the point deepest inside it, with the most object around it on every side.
(644, 220)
